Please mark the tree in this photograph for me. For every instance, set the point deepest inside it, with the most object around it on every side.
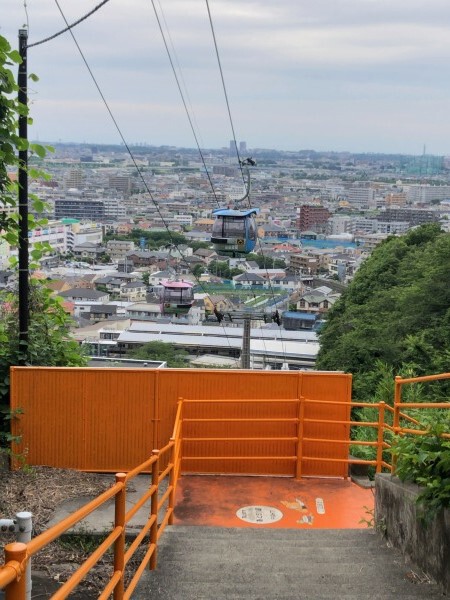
(222, 269)
(198, 270)
(163, 352)
(197, 245)
(266, 262)
(10, 144)
(395, 312)
(49, 341)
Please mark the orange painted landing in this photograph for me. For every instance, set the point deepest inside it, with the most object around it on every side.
(274, 502)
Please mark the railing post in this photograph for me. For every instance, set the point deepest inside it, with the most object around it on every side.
(396, 419)
(301, 416)
(16, 553)
(154, 511)
(172, 479)
(119, 544)
(25, 528)
(381, 406)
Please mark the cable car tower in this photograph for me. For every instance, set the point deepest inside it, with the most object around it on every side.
(234, 231)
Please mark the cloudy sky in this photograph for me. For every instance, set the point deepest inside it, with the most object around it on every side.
(356, 75)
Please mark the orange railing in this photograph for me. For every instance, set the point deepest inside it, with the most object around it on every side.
(380, 444)
(391, 424)
(12, 577)
(306, 447)
(400, 407)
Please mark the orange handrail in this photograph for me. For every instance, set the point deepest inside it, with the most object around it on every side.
(18, 554)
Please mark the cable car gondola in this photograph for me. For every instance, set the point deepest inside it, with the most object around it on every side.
(177, 297)
(234, 231)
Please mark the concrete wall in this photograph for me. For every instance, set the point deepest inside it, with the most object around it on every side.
(425, 544)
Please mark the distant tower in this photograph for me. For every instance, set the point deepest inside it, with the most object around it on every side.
(232, 147)
(242, 147)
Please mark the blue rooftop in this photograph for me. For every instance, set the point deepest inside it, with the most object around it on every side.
(291, 314)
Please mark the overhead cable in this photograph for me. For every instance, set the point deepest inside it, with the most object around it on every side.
(125, 143)
(184, 101)
(241, 162)
(69, 27)
(224, 86)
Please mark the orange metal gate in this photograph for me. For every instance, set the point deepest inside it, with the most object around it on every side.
(111, 419)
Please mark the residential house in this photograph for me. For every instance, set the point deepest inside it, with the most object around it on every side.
(287, 282)
(249, 281)
(85, 295)
(114, 283)
(101, 312)
(315, 302)
(221, 303)
(304, 263)
(119, 248)
(206, 255)
(144, 311)
(134, 291)
(89, 250)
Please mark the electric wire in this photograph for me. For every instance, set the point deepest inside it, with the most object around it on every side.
(237, 152)
(183, 100)
(224, 86)
(188, 114)
(69, 27)
(127, 147)
(180, 71)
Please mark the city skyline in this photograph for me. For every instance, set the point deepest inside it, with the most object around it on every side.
(334, 76)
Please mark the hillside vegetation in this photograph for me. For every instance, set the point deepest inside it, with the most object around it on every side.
(394, 317)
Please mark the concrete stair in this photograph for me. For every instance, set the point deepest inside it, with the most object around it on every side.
(209, 563)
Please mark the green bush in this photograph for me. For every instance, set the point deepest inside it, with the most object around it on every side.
(425, 460)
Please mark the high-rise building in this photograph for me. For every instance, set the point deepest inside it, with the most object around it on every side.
(242, 147)
(313, 217)
(74, 179)
(79, 208)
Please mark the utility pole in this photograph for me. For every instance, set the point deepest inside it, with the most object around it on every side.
(245, 355)
(247, 317)
(23, 202)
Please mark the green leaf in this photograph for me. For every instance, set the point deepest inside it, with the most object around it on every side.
(39, 150)
(15, 56)
(33, 77)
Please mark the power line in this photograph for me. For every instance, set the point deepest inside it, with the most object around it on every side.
(224, 86)
(180, 70)
(184, 101)
(175, 245)
(235, 143)
(69, 27)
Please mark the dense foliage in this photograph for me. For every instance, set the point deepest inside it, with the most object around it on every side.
(222, 269)
(266, 262)
(173, 356)
(395, 314)
(425, 460)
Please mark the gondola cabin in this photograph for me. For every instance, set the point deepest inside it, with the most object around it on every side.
(177, 297)
(234, 231)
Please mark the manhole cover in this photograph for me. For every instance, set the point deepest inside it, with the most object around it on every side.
(260, 515)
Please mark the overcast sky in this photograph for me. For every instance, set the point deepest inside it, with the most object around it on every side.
(356, 75)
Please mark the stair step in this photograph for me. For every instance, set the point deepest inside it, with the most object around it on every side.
(208, 563)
